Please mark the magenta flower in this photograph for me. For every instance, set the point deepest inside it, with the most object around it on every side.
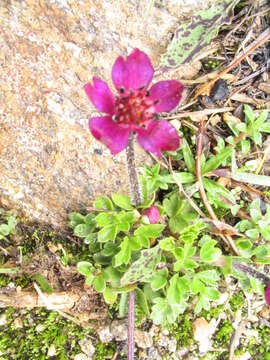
(152, 213)
(267, 294)
(135, 106)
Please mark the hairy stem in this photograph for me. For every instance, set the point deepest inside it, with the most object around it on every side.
(132, 172)
(131, 318)
(251, 272)
(136, 199)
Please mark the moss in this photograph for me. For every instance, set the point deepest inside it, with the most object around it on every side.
(27, 343)
(214, 312)
(182, 331)
(224, 334)
(237, 301)
(259, 348)
(104, 351)
(40, 329)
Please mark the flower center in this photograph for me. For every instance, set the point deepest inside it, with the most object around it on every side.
(134, 108)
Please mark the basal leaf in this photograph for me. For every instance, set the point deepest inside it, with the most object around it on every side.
(215, 161)
(144, 268)
(192, 37)
(122, 201)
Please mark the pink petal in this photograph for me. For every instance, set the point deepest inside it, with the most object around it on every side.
(159, 136)
(153, 214)
(108, 132)
(267, 294)
(167, 94)
(134, 73)
(120, 75)
(100, 95)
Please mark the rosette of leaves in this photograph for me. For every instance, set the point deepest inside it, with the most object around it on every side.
(251, 129)
(254, 230)
(125, 255)
(8, 227)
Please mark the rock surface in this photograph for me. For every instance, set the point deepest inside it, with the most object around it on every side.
(49, 162)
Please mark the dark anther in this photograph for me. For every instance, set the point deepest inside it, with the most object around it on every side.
(141, 88)
(156, 102)
(147, 93)
(114, 117)
(121, 90)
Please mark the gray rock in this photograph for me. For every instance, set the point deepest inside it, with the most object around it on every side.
(105, 334)
(49, 162)
(81, 356)
(143, 339)
(119, 330)
(87, 347)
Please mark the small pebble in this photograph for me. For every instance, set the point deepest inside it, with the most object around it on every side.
(219, 91)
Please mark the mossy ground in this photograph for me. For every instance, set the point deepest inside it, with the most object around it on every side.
(29, 335)
(38, 329)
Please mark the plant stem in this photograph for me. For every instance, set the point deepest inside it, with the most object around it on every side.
(131, 318)
(136, 200)
(132, 172)
(251, 272)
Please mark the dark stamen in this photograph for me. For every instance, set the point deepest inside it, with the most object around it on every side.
(156, 102)
(121, 90)
(141, 88)
(147, 93)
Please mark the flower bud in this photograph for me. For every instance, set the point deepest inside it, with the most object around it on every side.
(267, 294)
(152, 214)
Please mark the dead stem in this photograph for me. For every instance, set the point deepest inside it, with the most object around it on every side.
(136, 198)
(260, 40)
(227, 238)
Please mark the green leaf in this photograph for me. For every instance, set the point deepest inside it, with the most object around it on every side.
(9, 271)
(257, 286)
(209, 252)
(85, 268)
(89, 279)
(75, 219)
(159, 279)
(249, 114)
(245, 247)
(184, 177)
(110, 295)
(108, 233)
(218, 192)
(180, 212)
(99, 283)
(149, 231)
(245, 146)
(209, 277)
(43, 283)
(103, 202)
(215, 161)
(112, 276)
(188, 156)
(4, 229)
(122, 201)
(227, 268)
(167, 244)
(193, 36)
(123, 305)
(144, 268)
(104, 219)
(211, 293)
(141, 301)
(82, 230)
(252, 233)
(12, 222)
(124, 254)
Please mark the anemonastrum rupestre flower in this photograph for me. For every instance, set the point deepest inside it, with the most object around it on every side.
(135, 106)
(267, 294)
(152, 214)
